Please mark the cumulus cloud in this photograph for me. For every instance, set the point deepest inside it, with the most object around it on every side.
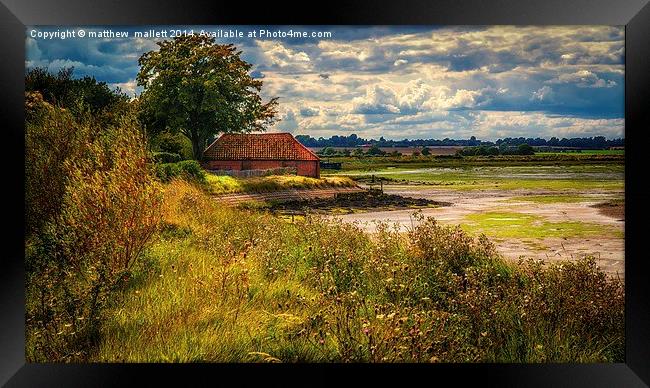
(278, 55)
(461, 98)
(130, 87)
(31, 49)
(309, 111)
(378, 100)
(544, 93)
(583, 79)
(288, 121)
(500, 124)
(414, 95)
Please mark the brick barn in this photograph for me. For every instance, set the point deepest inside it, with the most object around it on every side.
(238, 152)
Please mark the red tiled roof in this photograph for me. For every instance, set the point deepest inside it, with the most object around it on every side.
(264, 146)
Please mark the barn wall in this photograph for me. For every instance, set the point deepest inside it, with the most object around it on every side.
(222, 165)
(310, 168)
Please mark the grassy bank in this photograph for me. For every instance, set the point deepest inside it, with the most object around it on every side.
(219, 184)
(221, 284)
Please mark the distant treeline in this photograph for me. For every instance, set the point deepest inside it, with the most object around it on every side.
(503, 149)
(597, 142)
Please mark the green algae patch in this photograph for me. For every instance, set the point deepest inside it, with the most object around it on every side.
(521, 225)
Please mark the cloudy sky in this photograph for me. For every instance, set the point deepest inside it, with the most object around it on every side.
(402, 82)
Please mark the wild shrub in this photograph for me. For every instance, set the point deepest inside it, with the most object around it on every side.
(52, 137)
(187, 169)
(109, 210)
(172, 143)
(166, 157)
(450, 246)
(578, 303)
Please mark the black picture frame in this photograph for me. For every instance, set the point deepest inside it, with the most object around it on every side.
(16, 14)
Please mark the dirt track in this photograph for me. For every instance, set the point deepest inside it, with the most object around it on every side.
(234, 199)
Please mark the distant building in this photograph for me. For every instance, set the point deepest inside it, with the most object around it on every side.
(267, 151)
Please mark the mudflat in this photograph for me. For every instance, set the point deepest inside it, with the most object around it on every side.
(527, 223)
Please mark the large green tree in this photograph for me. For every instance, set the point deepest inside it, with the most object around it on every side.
(199, 88)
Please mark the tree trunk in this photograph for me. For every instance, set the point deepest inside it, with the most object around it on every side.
(197, 146)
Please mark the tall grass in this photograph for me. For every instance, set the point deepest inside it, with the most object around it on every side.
(222, 284)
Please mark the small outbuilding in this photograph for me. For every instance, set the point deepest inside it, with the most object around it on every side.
(266, 151)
